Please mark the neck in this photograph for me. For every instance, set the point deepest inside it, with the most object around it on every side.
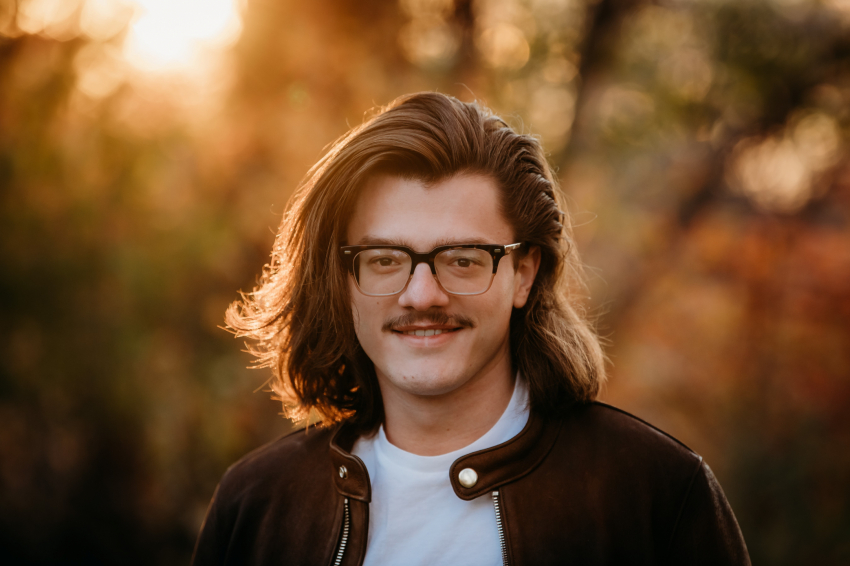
(430, 425)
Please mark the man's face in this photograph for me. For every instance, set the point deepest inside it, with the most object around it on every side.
(473, 344)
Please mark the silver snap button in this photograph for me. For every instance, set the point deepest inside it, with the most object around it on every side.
(343, 473)
(467, 477)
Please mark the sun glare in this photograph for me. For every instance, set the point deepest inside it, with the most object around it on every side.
(171, 34)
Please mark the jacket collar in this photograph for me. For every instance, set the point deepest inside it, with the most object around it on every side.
(494, 467)
(506, 462)
(350, 474)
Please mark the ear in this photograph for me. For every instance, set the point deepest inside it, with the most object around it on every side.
(526, 271)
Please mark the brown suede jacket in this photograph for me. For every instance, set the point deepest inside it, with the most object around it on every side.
(596, 486)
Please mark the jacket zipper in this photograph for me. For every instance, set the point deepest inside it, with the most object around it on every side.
(500, 528)
(344, 538)
(346, 525)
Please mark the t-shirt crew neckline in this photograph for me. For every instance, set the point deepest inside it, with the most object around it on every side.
(510, 423)
(415, 517)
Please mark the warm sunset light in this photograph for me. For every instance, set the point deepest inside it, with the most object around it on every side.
(172, 207)
(169, 34)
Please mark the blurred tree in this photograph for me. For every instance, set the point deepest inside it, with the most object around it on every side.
(118, 393)
(713, 146)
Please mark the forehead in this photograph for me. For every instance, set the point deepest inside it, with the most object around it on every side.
(460, 209)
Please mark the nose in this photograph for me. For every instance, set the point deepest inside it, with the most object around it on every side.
(423, 291)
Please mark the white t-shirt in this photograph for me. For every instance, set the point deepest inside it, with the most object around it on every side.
(415, 516)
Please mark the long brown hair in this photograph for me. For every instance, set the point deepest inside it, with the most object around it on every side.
(300, 316)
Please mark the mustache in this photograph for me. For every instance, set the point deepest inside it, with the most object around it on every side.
(435, 317)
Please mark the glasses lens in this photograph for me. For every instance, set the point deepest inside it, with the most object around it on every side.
(381, 271)
(464, 271)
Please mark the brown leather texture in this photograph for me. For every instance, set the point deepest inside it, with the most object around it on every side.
(597, 486)
(354, 481)
(506, 462)
(277, 505)
(615, 490)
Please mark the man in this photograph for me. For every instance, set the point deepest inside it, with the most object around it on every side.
(417, 302)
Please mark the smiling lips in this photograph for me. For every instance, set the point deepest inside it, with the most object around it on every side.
(427, 324)
(426, 328)
(428, 332)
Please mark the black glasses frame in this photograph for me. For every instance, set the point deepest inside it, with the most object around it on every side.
(496, 251)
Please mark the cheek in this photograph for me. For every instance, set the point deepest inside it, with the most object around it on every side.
(494, 313)
(355, 306)
(360, 312)
(367, 315)
(505, 285)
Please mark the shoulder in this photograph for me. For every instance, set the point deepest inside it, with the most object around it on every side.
(276, 484)
(277, 465)
(611, 420)
(624, 480)
(606, 433)
(621, 459)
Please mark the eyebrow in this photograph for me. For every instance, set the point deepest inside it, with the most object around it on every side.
(369, 240)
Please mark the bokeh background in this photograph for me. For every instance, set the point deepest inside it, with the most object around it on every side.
(148, 148)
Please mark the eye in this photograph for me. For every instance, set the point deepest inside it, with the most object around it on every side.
(382, 261)
(466, 261)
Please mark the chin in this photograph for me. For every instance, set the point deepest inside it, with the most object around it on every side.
(427, 383)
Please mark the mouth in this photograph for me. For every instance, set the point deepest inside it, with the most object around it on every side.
(425, 331)
(426, 336)
(430, 325)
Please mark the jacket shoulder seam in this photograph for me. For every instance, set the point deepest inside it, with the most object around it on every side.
(687, 496)
(650, 425)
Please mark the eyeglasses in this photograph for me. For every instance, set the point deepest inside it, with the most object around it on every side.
(466, 269)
